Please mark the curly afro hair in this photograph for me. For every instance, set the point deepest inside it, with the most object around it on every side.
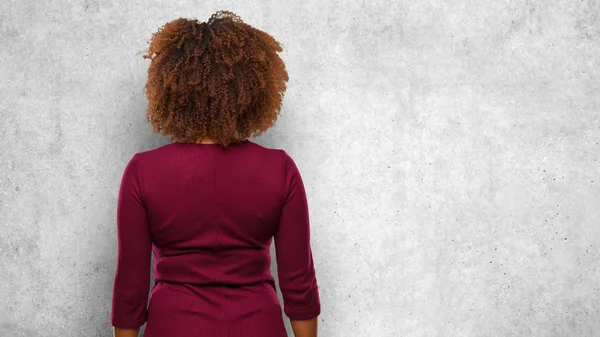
(220, 79)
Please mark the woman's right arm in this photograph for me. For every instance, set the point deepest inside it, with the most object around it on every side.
(295, 267)
(305, 328)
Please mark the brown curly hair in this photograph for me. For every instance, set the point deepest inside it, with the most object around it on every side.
(221, 79)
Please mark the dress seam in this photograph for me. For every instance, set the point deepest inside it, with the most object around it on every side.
(215, 206)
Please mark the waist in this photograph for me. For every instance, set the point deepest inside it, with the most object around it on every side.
(204, 270)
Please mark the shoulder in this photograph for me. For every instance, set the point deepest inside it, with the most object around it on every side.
(258, 151)
(265, 152)
(156, 150)
(264, 148)
(150, 156)
(279, 154)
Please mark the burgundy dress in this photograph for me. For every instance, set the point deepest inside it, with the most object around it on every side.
(209, 215)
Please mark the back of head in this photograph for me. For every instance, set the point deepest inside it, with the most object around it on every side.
(220, 79)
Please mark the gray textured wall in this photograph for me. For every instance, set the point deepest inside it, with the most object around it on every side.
(449, 149)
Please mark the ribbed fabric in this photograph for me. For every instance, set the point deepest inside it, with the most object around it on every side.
(209, 214)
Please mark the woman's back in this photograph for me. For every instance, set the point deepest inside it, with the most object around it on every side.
(209, 214)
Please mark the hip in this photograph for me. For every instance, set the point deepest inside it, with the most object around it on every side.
(180, 310)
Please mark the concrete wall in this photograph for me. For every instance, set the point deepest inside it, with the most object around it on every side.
(449, 148)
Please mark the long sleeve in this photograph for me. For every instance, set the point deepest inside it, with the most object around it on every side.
(295, 267)
(132, 276)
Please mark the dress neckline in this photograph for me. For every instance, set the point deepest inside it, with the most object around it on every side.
(243, 142)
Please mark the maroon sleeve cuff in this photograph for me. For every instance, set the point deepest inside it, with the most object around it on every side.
(126, 324)
(303, 315)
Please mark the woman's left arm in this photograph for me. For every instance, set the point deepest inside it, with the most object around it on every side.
(118, 332)
(132, 275)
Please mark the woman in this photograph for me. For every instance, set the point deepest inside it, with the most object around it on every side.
(209, 203)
